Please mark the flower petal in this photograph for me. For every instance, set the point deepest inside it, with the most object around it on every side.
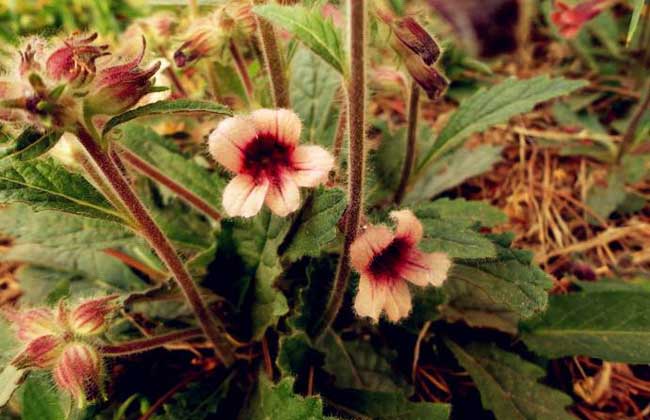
(244, 197)
(408, 226)
(284, 197)
(367, 245)
(370, 298)
(282, 124)
(398, 301)
(423, 269)
(312, 165)
(227, 141)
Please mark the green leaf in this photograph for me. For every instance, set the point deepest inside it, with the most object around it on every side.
(162, 154)
(356, 364)
(467, 213)
(454, 239)
(316, 224)
(387, 406)
(10, 379)
(612, 325)
(495, 105)
(452, 170)
(311, 28)
(40, 400)
(167, 107)
(313, 93)
(44, 184)
(68, 243)
(257, 242)
(509, 385)
(495, 293)
(634, 21)
(30, 144)
(279, 402)
(603, 200)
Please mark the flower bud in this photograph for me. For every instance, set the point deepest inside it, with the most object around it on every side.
(202, 40)
(40, 353)
(79, 372)
(91, 317)
(118, 88)
(75, 61)
(419, 52)
(33, 323)
(570, 20)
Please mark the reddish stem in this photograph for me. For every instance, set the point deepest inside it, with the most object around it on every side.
(149, 343)
(154, 173)
(148, 228)
(411, 137)
(273, 63)
(242, 69)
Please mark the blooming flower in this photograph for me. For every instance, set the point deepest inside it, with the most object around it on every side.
(262, 149)
(386, 261)
(79, 372)
(570, 20)
(75, 60)
(118, 88)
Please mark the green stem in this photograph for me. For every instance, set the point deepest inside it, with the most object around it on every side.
(411, 139)
(149, 343)
(273, 63)
(356, 157)
(632, 127)
(148, 228)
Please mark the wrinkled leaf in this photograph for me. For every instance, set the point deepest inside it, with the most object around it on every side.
(30, 144)
(610, 325)
(279, 402)
(509, 385)
(40, 400)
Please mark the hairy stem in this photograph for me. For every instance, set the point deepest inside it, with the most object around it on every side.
(149, 343)
(341, 129)
(632, 127)
(273, 63)
(411, 137)
(148, 228)
(356, 157)
(242, 69)
(150, 171)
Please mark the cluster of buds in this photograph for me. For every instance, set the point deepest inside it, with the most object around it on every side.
(55, 85)
(62, 341)
(419, 51)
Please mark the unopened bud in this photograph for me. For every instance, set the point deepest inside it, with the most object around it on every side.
(92, 317)
(33, 323)
(79, 372)
(40, 353)
(118, 88)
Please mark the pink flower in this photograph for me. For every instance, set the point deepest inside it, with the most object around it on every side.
(79, 372)
(570, 20)
(118, 88)
(40, 353)
(386, 261)
(75, 61)
(262, 149)
(91, 317)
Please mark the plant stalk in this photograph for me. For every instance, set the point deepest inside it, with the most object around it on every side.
(149, 343)
(632, 127)
(356, 157)
(411, 139)
(150, 171)
(148, 228)
(273, 63)
(242, 69)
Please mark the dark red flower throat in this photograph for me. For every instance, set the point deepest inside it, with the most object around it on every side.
(267, 157)
(388, 264)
